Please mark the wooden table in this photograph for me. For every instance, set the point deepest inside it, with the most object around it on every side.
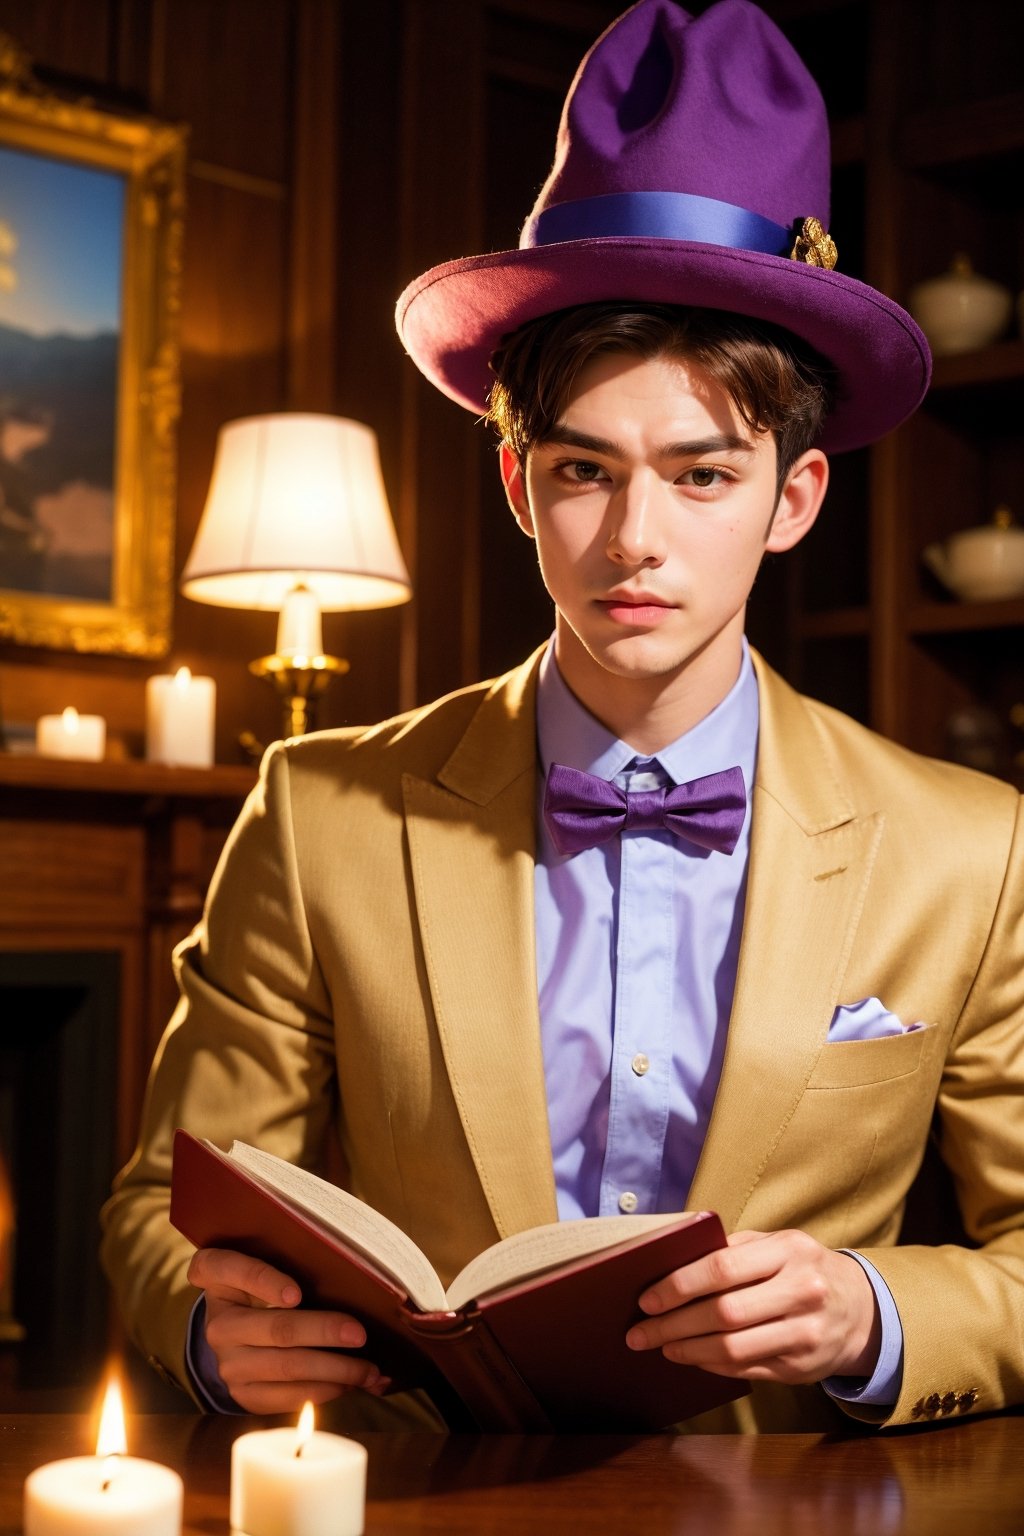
(958, 1477)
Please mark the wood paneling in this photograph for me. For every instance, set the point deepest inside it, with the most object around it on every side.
(227, 72)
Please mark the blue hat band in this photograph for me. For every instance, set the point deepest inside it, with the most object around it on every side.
(658, 216)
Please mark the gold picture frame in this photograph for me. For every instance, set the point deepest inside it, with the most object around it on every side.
(86, 561)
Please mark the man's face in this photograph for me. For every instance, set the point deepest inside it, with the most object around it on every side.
(651, 504)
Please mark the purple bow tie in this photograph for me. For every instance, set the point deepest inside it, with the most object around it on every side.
(583, 811)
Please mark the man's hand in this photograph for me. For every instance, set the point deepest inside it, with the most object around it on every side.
(272, 1358)
(771, 1306)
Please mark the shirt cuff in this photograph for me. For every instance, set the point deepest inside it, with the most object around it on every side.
(201, 1364)
(882, 1388)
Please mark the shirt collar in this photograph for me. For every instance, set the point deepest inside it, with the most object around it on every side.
(568, 733)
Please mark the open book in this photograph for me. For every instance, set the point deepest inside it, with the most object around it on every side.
(530, 1335)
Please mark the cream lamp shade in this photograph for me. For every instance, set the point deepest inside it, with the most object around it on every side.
(296, 501)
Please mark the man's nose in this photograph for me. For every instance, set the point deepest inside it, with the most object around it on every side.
(636, 530)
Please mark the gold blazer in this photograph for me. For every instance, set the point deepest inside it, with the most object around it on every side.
(365, 967)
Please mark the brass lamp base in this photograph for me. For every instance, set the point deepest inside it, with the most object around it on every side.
(300, 681)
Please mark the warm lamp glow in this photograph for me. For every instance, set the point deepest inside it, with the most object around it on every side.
(296, 500)
(111, 1439)
(72, 722)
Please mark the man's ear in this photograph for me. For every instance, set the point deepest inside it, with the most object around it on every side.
(515, 488)
(800, 501)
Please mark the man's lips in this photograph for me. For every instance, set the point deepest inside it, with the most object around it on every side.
(635, 608)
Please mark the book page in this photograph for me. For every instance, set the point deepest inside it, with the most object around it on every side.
(530, 1253)
(376, 1238)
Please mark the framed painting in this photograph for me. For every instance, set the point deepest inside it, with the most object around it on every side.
(91, 228)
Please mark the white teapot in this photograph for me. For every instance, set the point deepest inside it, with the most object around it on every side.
(981, 564)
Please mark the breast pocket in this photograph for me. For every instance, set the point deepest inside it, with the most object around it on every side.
(858, 1063)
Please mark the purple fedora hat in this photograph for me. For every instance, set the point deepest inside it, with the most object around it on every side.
(692, 167)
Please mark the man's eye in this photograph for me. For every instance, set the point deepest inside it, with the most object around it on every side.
(704, 477)
(583, 469)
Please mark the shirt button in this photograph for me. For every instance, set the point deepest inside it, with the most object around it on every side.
(628, 1202)
(640, 1064)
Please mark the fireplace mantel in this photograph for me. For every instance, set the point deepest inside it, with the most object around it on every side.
(113, 856)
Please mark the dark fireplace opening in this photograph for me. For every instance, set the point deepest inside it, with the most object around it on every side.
(58, 1094)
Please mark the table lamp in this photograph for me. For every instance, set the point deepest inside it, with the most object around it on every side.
(297, 521)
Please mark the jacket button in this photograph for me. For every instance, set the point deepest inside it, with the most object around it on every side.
(931, 1404)
(967, 1399)
(948, 1402)
(628, 1202)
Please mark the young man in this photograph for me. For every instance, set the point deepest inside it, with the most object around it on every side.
(634, 927)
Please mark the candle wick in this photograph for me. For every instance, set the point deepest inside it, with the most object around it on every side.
(109, 1468)
(299, 1449)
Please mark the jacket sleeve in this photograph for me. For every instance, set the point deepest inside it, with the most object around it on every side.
(249, 1054)
(962, 1309)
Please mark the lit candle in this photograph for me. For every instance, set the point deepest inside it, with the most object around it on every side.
(109, 1494)
(179, 719)
(297, 1482)
(71, 735)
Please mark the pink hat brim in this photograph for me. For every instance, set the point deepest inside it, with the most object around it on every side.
(452, 318)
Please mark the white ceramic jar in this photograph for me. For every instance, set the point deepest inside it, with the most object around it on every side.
(960, 310)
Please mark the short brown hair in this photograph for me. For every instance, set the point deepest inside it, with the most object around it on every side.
(778, 383)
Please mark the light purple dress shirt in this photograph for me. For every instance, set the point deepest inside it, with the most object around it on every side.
(637, 951)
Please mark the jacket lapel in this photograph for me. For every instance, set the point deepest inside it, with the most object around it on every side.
(471, 839)
(810, 859)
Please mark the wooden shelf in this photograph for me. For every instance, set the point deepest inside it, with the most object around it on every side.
(959, 618)
(130, 777)
(1000, 363)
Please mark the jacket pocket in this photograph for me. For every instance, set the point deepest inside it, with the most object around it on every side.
(854, 1063)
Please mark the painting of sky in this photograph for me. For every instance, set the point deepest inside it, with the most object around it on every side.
(67, 223)
(62, 228)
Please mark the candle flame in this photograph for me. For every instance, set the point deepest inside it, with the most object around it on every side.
(71, 720)
(306, 1425)
(182, 677)
(111, 1440)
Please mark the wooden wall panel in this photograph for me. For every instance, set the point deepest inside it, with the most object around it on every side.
(226, 70)
(441, 210)
(74, 38)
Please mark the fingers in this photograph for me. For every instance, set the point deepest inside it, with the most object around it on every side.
(272, 1356)
(283, 1397)
(262, 1373)
(771, 1306)
(230, 1276)
(235, 1327)
(749, 1257)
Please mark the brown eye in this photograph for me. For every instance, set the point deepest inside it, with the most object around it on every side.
(704, 479)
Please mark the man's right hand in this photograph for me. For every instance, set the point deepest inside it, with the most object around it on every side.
(272, 1358)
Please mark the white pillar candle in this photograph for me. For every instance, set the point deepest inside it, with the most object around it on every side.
(179, 719)
(101, 1496)
(71, 735)
(297, 1482)
(109, 1494)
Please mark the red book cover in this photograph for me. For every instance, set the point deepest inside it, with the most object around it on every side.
(547, 1352)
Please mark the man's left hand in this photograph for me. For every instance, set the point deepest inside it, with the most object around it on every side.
(771, 1306)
